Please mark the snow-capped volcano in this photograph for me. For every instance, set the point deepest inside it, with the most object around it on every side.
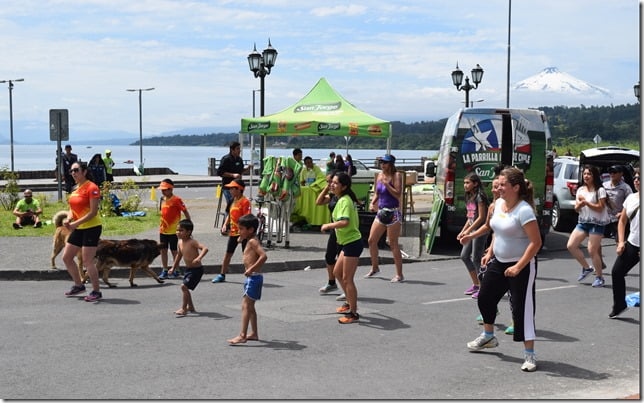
(553, 80)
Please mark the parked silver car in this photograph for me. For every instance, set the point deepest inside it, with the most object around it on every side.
(566, 180)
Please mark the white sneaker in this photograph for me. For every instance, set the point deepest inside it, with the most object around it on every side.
(341, 297)
(482, 342)
(530, 363)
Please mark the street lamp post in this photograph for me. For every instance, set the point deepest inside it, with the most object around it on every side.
(457, 79)
(260, 64)
(636, 90)
(140, 90)
(11, 114)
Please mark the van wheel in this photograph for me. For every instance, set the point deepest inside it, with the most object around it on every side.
(557, 220)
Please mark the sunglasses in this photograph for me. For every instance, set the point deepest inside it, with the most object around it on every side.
(74, 170)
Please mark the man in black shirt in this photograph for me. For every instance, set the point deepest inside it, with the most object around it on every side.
(230, 168)
(68, 160)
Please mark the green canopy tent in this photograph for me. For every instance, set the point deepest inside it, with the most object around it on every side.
(322, 112)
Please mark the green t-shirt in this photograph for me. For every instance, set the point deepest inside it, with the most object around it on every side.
(109, 163)
(345, 210)
(23, 206)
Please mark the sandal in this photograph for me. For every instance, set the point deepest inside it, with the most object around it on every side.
(372, 273)
(397, 279)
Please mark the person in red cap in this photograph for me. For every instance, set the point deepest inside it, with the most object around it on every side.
(239, 207)
(171, 208)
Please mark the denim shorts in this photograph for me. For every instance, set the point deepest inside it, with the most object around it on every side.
(591, 229)
(253, 286)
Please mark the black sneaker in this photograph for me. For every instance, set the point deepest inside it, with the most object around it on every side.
(615, 313)
(76, 289)
(94, 296)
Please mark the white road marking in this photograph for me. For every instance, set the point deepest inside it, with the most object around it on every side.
(443, 301)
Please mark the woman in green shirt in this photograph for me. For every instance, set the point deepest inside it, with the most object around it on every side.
(346, 226)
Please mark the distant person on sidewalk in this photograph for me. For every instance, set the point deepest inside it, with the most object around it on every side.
(27, 211)
(109, 164)
(192, 252)
(330, 164)
(239, 207)
(230, 168)
(97, 167)
(68, 159)
(617, 191)
(171, 208)
(254, 258)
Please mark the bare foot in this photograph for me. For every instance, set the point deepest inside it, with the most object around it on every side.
(252, 336)
(180, 312)
(237, 340)
(372, 273)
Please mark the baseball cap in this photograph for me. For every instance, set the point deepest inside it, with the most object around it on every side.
(68, 146)
(388, 158)
(166, 184)
(237, 183)
(615, 168)
(108, 151)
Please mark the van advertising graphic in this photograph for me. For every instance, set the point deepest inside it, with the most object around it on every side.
(481, 146)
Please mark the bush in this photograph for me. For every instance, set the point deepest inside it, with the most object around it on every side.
(9, 194)
(129, 194)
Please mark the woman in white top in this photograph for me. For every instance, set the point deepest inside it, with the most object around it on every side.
(628, 250)
(593, 217)
(511, 265)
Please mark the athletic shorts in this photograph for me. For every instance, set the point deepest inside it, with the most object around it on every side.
(353, 249)
(232, 244)
(253, 286)
(192, 277)
(397, 217)
(168, 240)
(85, 237)
(591, 229)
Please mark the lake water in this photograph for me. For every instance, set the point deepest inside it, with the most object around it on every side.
(183, 160)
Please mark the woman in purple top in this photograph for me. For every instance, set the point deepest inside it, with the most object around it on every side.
(386, 201)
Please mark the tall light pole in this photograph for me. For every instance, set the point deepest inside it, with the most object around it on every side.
(260, 64)
(457, 79)
(11, 113)
(140, 90)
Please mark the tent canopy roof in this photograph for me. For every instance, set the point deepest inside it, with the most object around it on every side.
(322, 112)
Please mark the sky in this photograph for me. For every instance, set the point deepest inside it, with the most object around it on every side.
(392, 59)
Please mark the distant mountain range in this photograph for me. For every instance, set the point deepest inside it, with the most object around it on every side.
(553, 80)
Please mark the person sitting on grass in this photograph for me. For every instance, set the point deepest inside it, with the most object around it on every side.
(192, 252)
(27, 211)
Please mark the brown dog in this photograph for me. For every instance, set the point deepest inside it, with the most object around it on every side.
(135, 253)
(60, 239)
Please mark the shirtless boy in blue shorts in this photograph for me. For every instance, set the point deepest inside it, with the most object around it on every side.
(192, 251)
(253, 258)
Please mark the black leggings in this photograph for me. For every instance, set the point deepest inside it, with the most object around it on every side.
(624, 263)
(522, 296)
(332, 249)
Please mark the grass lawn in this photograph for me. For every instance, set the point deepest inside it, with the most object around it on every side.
(111, 225)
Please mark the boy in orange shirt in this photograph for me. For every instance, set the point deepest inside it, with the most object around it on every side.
(171, 208)
(239, 207)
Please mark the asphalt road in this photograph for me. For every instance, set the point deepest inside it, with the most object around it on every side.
(409, 344)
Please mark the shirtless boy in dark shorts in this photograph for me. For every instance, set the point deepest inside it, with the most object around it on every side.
(192, 251)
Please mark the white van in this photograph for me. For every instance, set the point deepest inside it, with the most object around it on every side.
(478, 139)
